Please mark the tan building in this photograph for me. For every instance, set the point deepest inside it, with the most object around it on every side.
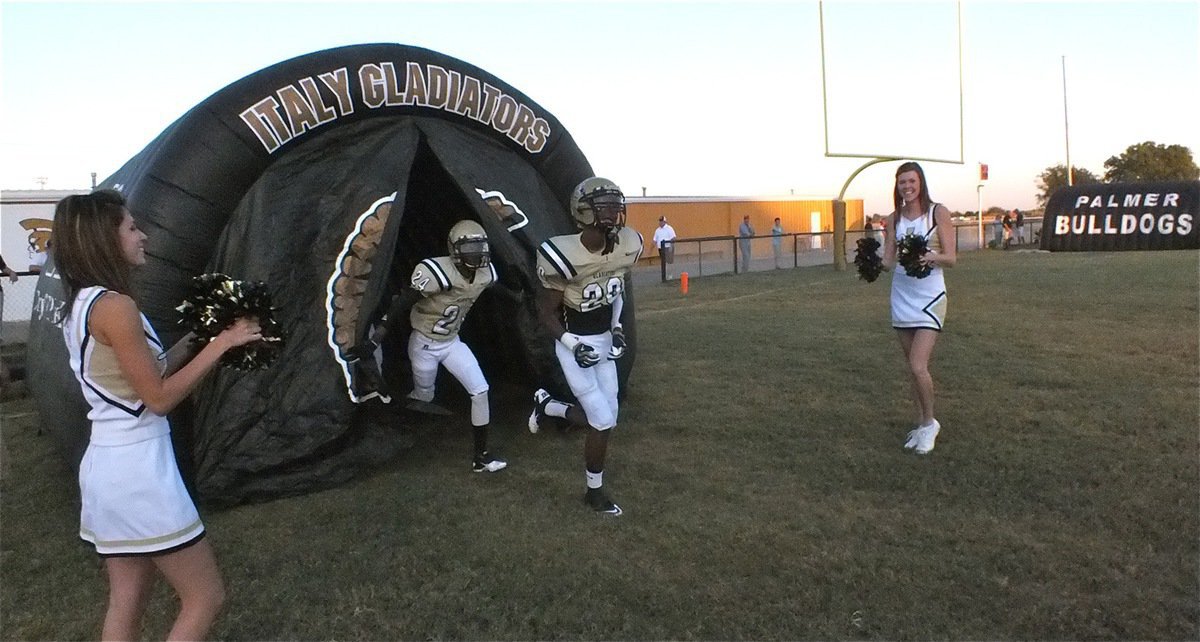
(705, 216)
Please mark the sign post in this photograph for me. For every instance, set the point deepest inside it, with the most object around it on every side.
(983, 176)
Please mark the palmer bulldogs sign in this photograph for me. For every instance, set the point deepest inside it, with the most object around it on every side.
(1123, 216)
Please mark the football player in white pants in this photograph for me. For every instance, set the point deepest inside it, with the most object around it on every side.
(442, 291)
(583, 287)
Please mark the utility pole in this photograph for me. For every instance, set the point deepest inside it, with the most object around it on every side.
(1066, 126)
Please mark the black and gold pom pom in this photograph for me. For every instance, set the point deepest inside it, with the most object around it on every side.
(867, 259)
(909, 250)
(216, 301)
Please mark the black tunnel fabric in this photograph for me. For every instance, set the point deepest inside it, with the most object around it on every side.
(1105, 217)
(328, 177)
(267, 421)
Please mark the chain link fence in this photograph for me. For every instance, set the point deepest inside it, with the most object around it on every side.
(18, 307)
(697, 256)
(712, 255)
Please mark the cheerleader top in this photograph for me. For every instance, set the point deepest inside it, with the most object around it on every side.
(923, 225)
(118, 415)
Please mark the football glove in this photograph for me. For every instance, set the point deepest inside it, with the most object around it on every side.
(364, 350)
(585, 355)
(618, 344)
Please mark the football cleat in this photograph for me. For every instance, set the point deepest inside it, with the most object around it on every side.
(597, 500)
(485, 463)
(540, 399)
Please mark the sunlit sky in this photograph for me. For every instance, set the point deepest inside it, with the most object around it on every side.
(679, 98)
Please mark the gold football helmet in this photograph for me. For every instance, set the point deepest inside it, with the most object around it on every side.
(598, 201)
(468, 245)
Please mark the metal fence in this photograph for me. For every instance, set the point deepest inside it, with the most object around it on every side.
(18, 307)
(697, 256)
(712, 255)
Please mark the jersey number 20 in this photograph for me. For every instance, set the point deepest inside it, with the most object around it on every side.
(595, 295)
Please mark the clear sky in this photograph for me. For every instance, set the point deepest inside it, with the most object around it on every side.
(681, 98)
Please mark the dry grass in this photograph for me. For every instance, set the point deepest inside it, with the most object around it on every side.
(767, 495)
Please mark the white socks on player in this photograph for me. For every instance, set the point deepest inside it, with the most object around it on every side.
(556, 408)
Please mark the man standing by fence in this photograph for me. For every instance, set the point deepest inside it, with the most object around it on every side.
(664, 240)
(777, 241)
(745, 232)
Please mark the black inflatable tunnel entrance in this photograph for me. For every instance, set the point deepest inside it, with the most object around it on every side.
(329, 176)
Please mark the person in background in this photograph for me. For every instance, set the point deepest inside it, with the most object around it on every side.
(998, 231)
(135, 509)
(1008, 230)
(664, 240)
(1019, 226)
(919, 304)
(745, 233)
(777, 241)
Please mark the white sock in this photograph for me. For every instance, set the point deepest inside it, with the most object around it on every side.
(594, 480)
(557, 408)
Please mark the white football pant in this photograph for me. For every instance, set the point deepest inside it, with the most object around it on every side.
(425, 354)
(595, 387)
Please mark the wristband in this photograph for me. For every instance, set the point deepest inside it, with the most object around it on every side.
(569, 340)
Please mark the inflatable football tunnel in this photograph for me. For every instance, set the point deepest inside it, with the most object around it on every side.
(328, 177)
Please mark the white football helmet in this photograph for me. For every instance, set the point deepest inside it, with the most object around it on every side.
(598, 201)
(468, 245)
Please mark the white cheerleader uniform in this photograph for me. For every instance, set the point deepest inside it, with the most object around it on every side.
(133, 498)
(918, 303)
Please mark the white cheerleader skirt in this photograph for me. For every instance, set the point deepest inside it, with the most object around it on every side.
(134, 501)
(918, 303)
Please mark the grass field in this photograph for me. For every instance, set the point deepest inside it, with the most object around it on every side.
(767, 496)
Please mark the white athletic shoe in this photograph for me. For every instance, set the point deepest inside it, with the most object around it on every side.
(925, 438)
(485, 463)
(912, 439)
(540, 399)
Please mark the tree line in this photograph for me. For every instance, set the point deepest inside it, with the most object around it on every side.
(1142, 162)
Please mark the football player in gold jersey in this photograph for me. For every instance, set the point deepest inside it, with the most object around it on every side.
(580, 303)
(441, 291)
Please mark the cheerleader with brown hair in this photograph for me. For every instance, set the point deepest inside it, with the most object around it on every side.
(135, 509)
(919, 288)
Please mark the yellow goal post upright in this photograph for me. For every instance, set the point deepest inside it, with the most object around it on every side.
(839, 204)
